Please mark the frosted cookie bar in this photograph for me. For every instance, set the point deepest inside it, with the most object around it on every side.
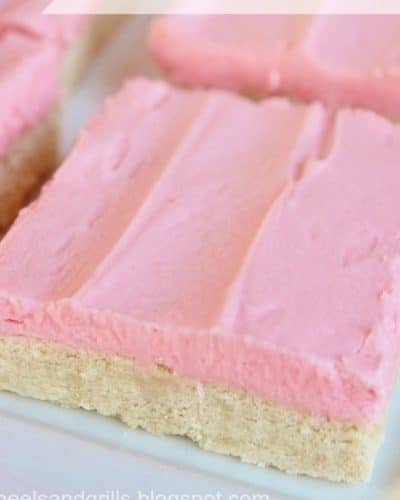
(29, 120)
(222, 261)
(340, 60)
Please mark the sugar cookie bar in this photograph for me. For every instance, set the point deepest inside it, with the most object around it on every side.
(228, 271)
(29, 120)
(339, 60)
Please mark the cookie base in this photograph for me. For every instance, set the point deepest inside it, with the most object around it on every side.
(28, 162)
(218, 419)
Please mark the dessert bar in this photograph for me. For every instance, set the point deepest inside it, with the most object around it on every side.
(226, 270)
(29, 121)
(341, 60)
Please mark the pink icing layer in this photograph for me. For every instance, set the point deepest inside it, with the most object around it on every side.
(27, 15)
(340, 60)
(24, 61)
(253, 245)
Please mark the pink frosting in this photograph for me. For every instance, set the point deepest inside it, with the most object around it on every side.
(26, 15)
(253, 245)
(24, 61)
(340, 60)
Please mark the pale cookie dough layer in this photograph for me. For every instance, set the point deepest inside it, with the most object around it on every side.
(79, 56)
(157, 400)
(31, 159)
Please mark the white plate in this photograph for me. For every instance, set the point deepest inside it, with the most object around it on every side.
(127, 57)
